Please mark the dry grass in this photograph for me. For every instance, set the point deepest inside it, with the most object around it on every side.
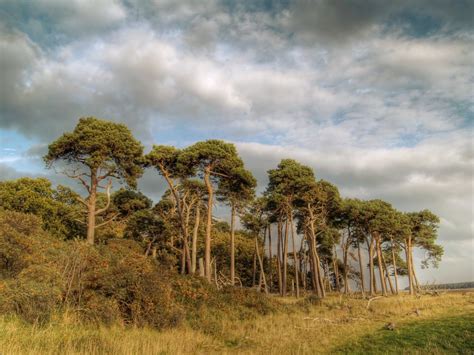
(298, 328)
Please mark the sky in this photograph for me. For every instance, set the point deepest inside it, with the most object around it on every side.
(377, 97)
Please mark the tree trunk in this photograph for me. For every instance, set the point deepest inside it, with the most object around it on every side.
(318, 270)
(285, 258)
(346, 262)
(254, 271)
(373, 289)
(182, 220)
(183, 259)
(392, 289)
(312, 265)
(91, 206)
(326, 271)
(195, 237)
(303, 263)
(201, 268)
(394, 263)
(362, 282)
(232, 245)
(295, 256)
(260, 262)
(380, 267)
(336, 269)
(409, 268)
(150, 244)
(270, 257)
(279, 257)
(319, 287)
(417, 284)
(207, 248)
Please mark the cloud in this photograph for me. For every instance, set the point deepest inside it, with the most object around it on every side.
(339, 23)
(436, 174)
(54, 21)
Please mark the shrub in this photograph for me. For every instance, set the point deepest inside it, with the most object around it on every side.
(108, 283)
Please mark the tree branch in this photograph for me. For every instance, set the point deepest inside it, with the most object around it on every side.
(108, 221)
(76, 176)
(78, 220)
(220, 174)
(81, 200)
(109, 185)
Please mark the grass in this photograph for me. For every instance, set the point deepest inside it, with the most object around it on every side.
(441, 335)
(444, 324)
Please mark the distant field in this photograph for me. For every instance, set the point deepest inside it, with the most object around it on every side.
(425, 325)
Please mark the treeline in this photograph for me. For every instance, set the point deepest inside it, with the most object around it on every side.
(450, 286)
(299, 236)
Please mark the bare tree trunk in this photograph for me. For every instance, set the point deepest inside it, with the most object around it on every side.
(91, 212)
(254, 272)
(336, 269)
(150, 244)
(362, 282)
(370, 246)
(318, 270)
(303, 263)
(413, 271)
(232, 245)
(315, 257)
(312, 266)
(201, 268)
(183, 259)
(392, 289)
(182, 221)
(345, 251)
(207, 249)
(279, 257)
(215, 272)
(394, 263)
(380, 267)
(285, 258)
(330, 289)
(262, 271)
(270, 257)
(295, 256)
(409, 268)
(195, 237)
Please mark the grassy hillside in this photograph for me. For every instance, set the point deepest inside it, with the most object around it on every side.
(427, 324)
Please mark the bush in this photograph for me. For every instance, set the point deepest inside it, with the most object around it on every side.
(105, 284)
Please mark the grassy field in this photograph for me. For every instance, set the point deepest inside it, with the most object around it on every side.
(426, 324)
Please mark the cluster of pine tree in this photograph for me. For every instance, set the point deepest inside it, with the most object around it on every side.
(299, 236)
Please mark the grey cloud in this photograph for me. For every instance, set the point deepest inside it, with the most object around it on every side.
(335, 23)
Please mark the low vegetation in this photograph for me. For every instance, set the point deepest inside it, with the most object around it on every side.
(424, 325)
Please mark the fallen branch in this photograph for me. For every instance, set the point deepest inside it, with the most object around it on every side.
(372, 299)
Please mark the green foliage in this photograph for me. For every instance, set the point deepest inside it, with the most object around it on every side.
(423, 228)
(165, 159)
(126, 202)
(238, 189)
(219, 157)
(58, 208)
(98, 144)
(289, 178)
(148, 229)
(244, 251)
